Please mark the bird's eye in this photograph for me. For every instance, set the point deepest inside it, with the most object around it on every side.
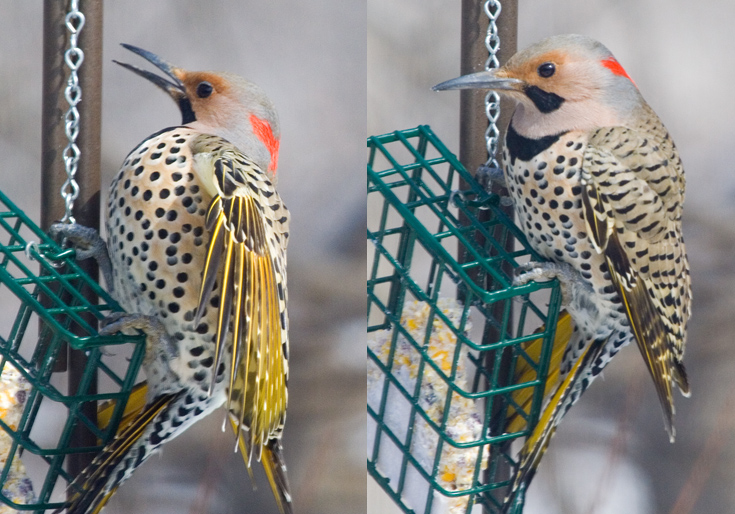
(546, 70)
(204, 89)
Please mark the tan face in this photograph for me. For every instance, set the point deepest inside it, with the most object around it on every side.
(562, 83)
(563, 74)
(208, 93)
(222, 104)
(235, 105)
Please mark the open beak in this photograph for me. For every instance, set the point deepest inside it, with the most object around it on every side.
(481, 80)
(174, 87)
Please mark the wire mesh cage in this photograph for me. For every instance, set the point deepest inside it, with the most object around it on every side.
(452, 378)
(38, 412)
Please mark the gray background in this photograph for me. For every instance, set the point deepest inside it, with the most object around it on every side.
(310, 58)
(611, 453)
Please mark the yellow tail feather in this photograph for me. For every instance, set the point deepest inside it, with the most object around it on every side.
(273, 464)
(91, 483)
(135, 405)
(538, 442)
(525, 373)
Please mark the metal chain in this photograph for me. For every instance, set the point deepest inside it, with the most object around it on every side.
(492, 99)
(73, 57)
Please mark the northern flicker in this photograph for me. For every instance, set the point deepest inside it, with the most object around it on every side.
(598, 189)
(197, 238)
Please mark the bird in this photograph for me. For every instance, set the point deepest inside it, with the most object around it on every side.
(196, 238)
(598, 189)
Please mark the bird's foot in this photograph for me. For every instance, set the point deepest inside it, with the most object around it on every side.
(575, 291)
(160, 347)
(489, 176)
(87, 243)
(539, 271)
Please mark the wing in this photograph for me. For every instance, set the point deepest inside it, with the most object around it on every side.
(632, 198)
(248, 224)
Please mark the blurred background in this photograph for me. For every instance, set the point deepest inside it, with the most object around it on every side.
(611, 453)
(310, 59)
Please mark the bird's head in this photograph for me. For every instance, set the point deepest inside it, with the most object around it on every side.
(222, 104)
(562, 83)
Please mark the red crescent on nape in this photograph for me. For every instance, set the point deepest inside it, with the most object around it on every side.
(264, 132)
(613, 65)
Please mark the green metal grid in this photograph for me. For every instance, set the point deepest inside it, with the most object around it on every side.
(417, 224)
(52, 309)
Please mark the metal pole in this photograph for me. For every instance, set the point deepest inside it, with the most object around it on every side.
(472, 119)
(508, 33)
(87, 205)
(473, 149)
(55, 41)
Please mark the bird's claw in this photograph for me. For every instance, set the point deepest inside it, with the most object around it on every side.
(576, 293)
(87, 243)
(489, 176)
(543, 271)
(125, 322)
(539, 271)
(158, 340)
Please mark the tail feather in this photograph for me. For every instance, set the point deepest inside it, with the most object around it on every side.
(525, 373)
(134, 406)
(274, 465)
(538, 442)
(275, 469)
(95, 485)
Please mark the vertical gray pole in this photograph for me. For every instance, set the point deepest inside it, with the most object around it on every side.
(473, 148)
(55, 41)
(87, 205)
(472, 118)
(508, 32)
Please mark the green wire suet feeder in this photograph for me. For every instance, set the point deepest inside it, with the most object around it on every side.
(446, 335)
(53, 313)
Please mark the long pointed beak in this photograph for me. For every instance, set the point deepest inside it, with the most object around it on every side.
(174, 87)
(481, 80)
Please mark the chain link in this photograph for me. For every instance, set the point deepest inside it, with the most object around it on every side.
(492, 99)
(73, 57)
